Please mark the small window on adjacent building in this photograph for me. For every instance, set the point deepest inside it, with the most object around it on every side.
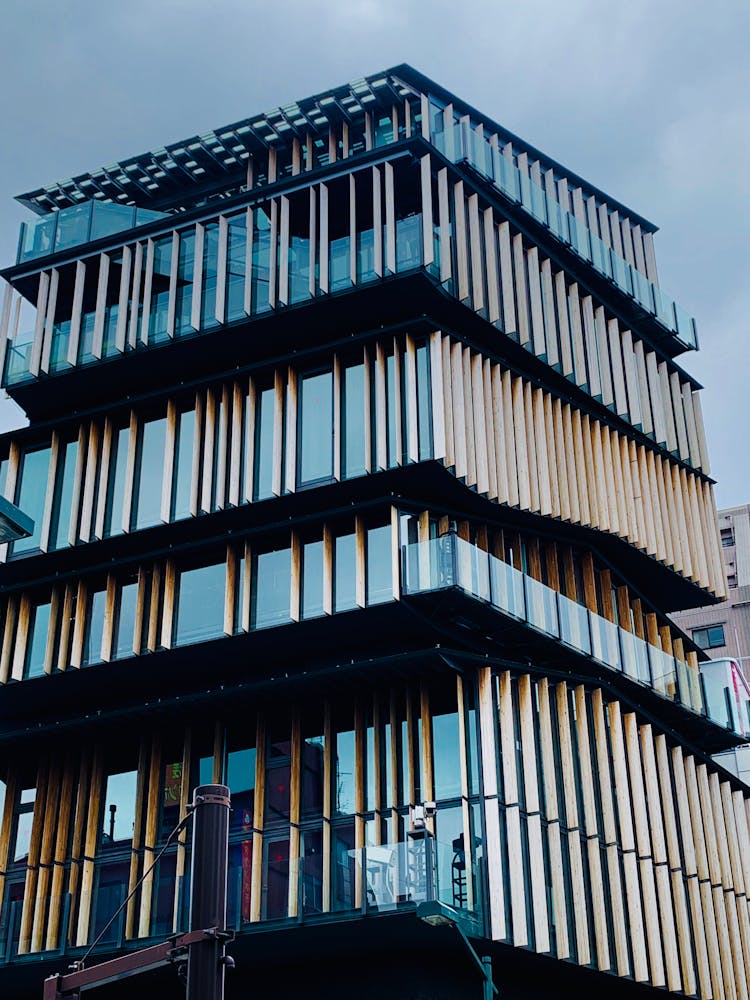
(727, 537)
(710, 637)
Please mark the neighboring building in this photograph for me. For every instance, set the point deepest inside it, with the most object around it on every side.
(362, 477)
(724, 629)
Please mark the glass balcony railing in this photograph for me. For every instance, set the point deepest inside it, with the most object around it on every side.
(91, 220)
(373, 879)
(459, 143)
(450, 562)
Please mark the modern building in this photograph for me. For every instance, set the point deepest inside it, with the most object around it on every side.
(724, 629)
(364, 477)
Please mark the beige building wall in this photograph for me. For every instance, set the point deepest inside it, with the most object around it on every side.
(729, 620)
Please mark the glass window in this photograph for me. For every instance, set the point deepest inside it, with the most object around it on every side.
(264, 418)
(315, 452)
(159, 305)
(24, 820)
(63, 500)
(379, 566)
(118, 818)
(236, 250)
(344, 789)
(210, 268)
(424, 402)
(261, 261)
(183, 473)
(36, 645)
(446, 745)
(313, 755)
(345, 572)
(31, 494)
(116, 489)
(271, 588)
(200, 604)
(171, 797)
(184, 296)
(353, 458)
(92, 645)
(278, 775)
(241, 782)
(149, 468)
(312, 579)
(710, 637)
(124, 636)
(394, 456)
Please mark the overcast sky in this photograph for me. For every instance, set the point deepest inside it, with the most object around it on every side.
(649, 99)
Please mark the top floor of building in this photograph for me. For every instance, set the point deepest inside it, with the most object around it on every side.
(177, 204)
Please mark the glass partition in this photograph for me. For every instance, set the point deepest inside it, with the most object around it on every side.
(541, 607)
(69, 227)
(605, 645)
(574, 624)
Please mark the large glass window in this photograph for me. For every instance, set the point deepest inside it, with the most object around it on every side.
(261, 261)
(184, 297)
(241, 782)
(24, 820)
(344, 776)
(345, 572)
(210, 268)
(149, 468)
(446, 755)
(124, 635)
(379, 565)
(312, 603)
(200, 604)
(31, 494)
(271, 588)
(264, 418)
(92, 644)
(118, 818)
(183, 472)
(236, 251)
(315, 461)
(353, 407)
(159, 305)
(118, 464)
(63, 500)
(424, 402)
(36, 644)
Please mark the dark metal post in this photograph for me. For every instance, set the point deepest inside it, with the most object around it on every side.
(208, 891)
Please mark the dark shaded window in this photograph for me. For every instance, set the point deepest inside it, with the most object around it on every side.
(710, 637)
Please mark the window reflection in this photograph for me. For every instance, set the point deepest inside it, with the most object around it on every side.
(271, 588)
(36, 646)
(148, 474)
(345, 572)
(379, 565)
(353, 406)
(125, 623)
(264, 420)
(31, 494)
(200, 604)
(63, 499)
(312, 603)
(183, 472)
(316, 428)
(24, 820)
(92, 645)
(118, 816)
(116, 488)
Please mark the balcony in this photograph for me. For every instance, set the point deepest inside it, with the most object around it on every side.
(450, 563)
(372, 881)
(459, 144)
(79, 224)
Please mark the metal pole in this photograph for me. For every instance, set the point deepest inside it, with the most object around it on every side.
(208, 891)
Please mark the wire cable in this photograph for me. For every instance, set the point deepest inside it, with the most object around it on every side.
(80, 964)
